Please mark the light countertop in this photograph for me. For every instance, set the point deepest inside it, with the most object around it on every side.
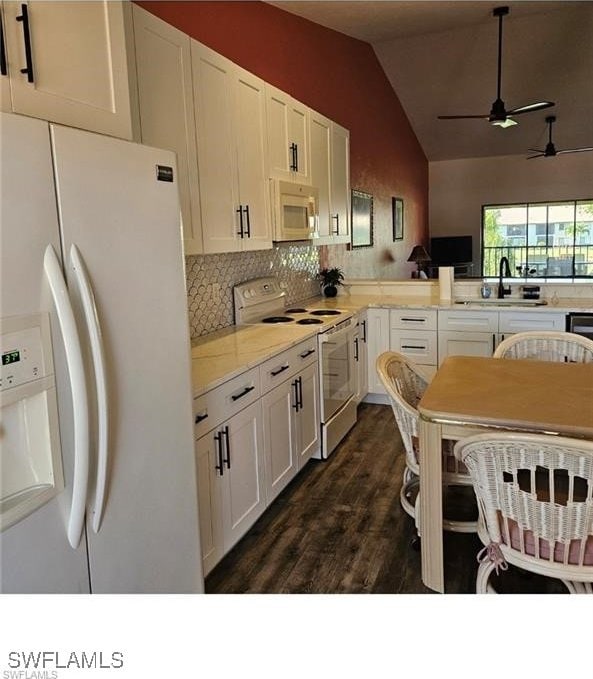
(224, 354)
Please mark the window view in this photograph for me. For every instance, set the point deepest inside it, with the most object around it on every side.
(551, 240)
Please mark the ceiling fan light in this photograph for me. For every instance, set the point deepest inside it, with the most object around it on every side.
(508, 122)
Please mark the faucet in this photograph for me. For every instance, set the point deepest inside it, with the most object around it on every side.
(502, 291)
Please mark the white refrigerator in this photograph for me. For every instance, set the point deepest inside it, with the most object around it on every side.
(98, 487)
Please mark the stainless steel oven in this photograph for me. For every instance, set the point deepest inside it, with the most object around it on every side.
(580, 323)
(337, 380)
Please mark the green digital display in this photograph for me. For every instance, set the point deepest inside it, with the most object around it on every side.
(11, 357)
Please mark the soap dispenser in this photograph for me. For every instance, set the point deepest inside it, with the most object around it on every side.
(485, 290)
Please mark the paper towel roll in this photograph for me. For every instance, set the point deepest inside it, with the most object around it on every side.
(446, 278)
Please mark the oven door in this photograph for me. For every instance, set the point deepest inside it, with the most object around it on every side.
(337, 371)
(580, 324)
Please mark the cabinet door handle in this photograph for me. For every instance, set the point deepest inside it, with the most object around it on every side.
(248, 221)
(493, 342)
(337, 218)
(307, 353)
(227, 460)
(3, 64)
(245, 391)
(240, 213)
(356, 349)
(273, 373)
(296, 157)
(24, 18)
(200, 418)
(218, 439)
(300, 382)
(364, 332)
(292, 149)
(295, 386)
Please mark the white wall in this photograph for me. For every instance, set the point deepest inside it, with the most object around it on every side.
(459, 188)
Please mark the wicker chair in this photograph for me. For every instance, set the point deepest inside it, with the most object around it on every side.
(405, 383)
(535, 501)
(547, 346)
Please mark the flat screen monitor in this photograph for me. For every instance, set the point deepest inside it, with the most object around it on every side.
(450, 250)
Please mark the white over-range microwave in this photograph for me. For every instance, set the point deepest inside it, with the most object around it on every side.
(295, 210)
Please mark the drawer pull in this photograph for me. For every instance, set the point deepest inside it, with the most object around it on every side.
(201, 418)
(245, 391)
(415, 320)
(411, 346)
(273, 373)
(307, 353)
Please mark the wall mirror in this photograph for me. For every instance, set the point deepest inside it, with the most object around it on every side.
(362, 219)
(397, 216)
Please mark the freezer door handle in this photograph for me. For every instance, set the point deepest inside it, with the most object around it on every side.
(80, 408)
(98, 356)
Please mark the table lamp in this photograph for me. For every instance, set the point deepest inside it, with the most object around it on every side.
(420, 256)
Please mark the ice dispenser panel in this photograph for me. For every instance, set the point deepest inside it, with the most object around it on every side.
(30, 454)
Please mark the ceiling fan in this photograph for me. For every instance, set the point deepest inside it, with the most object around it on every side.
(498, 115)
(550, 149)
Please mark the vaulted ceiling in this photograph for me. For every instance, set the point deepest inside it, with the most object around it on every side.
(441, 59)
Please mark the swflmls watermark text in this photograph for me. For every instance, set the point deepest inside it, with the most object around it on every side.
(48, 664)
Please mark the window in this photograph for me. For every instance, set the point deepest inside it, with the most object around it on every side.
(546, 240)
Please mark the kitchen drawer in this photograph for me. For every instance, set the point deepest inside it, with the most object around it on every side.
(418, 345)
(414, 319)
(521, 321)
(467, 320)
(217, 405)
(287, 364)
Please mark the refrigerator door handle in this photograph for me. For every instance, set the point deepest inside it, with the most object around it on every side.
(80, 408)
(98, 355)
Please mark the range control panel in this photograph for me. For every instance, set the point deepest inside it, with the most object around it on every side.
(22, 357)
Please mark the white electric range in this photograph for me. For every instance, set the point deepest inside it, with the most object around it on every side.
(263, 301)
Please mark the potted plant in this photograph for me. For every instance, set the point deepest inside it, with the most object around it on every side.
(330, 279)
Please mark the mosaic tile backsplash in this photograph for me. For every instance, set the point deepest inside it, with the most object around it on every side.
(210, 280)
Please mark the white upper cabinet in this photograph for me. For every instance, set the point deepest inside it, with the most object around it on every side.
(288, 136)
(165, 99)
(340, 182)
(230, 119)
(67, 62)
(330, 173)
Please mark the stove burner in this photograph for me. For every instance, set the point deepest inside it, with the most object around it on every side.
(296, 311)
(325, 312)
(277, 319)
(309, 321)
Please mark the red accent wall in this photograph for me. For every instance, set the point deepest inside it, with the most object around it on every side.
(332, 73)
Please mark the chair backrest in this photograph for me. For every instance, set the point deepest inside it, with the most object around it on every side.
(405, 383)
(547, 346)
(535, 497)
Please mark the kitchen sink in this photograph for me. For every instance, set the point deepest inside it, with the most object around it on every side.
(501, 302)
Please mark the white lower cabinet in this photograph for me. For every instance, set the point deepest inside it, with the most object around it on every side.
(290, 417)
(478, 333)
(231, 492)
(248, 446)
(413, 333)
(377, 343)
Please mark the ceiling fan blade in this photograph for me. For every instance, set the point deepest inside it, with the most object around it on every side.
(538, 106)
(459, 117)
(536, 150)
(585, 148)
(537, 155)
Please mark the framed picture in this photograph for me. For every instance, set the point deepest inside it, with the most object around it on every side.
(397, 216)
(362, 219)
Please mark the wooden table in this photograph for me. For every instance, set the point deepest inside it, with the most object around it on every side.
(469, 395)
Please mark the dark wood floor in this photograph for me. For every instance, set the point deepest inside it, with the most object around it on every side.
(339, 528)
